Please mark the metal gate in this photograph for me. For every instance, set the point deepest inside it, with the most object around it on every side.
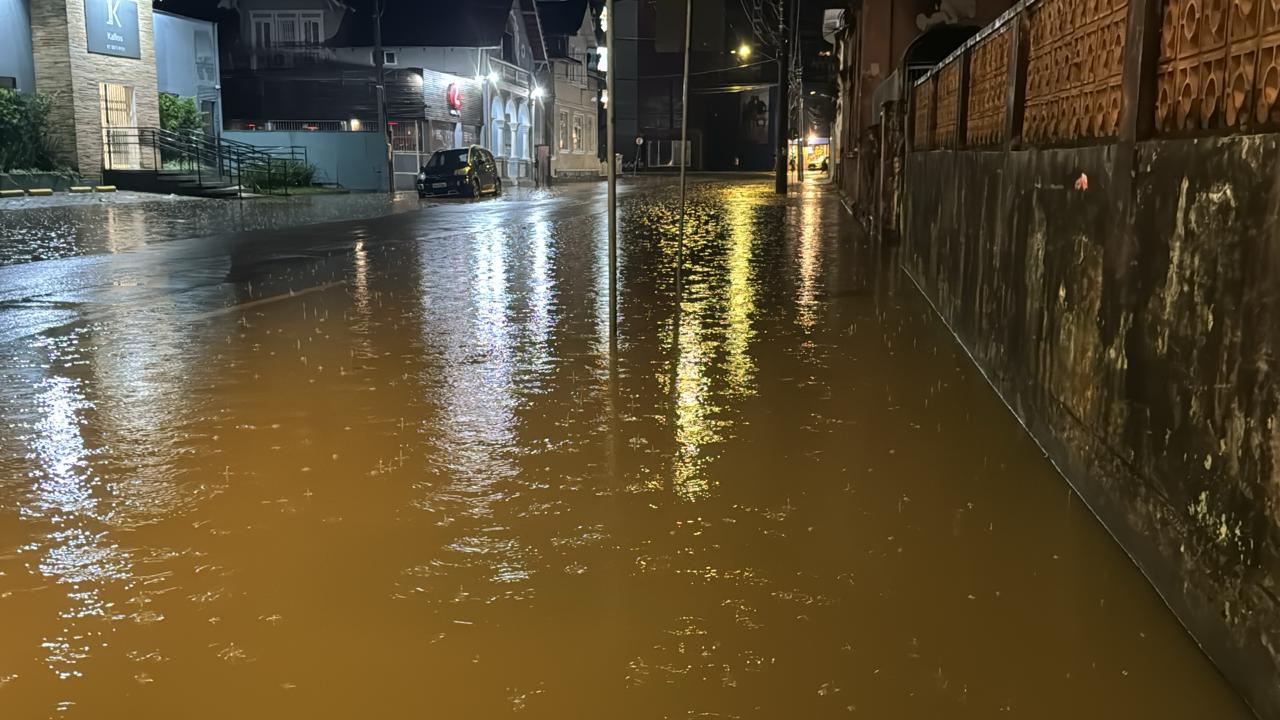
(406, 152)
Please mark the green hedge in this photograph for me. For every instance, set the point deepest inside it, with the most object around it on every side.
(24, 133)
(284, 173)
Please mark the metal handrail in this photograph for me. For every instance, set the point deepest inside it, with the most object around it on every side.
(201, 154)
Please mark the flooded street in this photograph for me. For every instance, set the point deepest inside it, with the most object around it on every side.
(391, 468)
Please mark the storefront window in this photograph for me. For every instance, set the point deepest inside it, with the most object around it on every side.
(404, 136)
(442, 134)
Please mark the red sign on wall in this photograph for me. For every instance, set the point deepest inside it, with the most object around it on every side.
(455, 96)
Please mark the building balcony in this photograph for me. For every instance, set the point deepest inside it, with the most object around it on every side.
(513, 75)
(277, 56)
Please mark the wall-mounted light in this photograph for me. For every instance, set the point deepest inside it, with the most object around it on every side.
(744, 51)
(537, 93)
(493, 76)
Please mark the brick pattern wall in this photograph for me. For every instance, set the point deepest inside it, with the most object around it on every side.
(53, 71)
(66, 69)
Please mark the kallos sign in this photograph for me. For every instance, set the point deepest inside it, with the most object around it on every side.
(112, 27)
(454, 96)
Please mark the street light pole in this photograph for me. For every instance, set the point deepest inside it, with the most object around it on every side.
(613, 171)
(684, 151)
(382, 94)
(784, 102)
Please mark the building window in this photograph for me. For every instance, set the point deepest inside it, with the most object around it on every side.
(404, 136)
(262, 29)
(509, 47)
(287, 29)
(312, 29)
(563, 131)
(577, 133)
(441, 135)
(388, 58)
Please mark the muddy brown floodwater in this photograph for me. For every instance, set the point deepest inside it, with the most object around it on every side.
(401, 476)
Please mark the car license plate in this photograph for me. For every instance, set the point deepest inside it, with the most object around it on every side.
(438, 186)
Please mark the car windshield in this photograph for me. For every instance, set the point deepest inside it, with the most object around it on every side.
(448, 159)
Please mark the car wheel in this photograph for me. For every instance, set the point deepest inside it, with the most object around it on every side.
(497, 187)
(474, 190)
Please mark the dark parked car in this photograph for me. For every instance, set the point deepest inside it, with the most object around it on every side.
(462, 171)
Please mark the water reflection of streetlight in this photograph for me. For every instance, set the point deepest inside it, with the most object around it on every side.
(715, 318)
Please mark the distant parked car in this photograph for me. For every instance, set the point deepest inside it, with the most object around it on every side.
(818, 165)
(467, 171)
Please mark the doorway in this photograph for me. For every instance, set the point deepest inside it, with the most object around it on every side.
(120, 149)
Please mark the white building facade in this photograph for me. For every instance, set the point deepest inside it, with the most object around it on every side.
(575, 59)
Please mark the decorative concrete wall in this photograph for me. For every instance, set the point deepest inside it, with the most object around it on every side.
(1107, 253)
(66, 70)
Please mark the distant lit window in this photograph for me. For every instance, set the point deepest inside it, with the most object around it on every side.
(577, 133)
(287, 29)
(562, 131)
(602, 64)
(604, 19)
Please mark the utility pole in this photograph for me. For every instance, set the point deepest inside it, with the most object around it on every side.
(382, 93)
(684, 151)
(784, 100)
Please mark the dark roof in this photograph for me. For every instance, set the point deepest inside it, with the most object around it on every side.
(430, 23)
(561, 17)
(533, 29)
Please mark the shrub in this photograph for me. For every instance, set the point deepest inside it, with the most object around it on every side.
(284, 173)
(24, 133)
(179, 114)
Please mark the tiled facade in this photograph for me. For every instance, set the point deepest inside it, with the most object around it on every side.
(67, 72)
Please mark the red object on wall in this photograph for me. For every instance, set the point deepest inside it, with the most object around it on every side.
(455, 96)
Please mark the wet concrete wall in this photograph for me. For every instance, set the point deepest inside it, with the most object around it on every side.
(1133, 327)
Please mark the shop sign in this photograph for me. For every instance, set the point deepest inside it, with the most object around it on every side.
(112, 27)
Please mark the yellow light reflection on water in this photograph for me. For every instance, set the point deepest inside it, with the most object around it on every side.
(713, 363)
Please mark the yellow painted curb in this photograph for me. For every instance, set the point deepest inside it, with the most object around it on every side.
(81, 188)
(104, 188)
(12, 193)
(41, 192)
